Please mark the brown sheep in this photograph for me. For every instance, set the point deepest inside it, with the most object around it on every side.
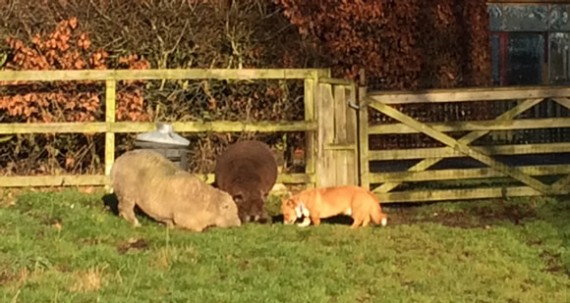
(168, 194)
(247, 170)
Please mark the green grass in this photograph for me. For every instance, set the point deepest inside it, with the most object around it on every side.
(67, 247)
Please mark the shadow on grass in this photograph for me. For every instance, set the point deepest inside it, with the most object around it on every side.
(276, 219)
(112, 204)
(336, 220)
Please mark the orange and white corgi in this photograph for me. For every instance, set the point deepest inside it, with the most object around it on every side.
(318, 203)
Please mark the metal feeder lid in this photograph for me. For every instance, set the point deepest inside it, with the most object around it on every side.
(163, 134)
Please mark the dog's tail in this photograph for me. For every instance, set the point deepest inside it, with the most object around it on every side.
(379, 217)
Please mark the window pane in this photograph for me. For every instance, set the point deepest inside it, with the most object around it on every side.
(525, 58)
(558, 63)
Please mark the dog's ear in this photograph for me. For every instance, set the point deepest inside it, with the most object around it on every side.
(286, 198)
(292, 200)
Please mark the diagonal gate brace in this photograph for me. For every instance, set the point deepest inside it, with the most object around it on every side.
(460, 146)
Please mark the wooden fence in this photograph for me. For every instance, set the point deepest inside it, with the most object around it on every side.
(338, 149)
(318, 90)
(493, 170)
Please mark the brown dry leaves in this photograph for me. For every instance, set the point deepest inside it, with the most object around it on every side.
(66, 48)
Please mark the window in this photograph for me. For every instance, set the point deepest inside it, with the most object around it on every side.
(530, 43)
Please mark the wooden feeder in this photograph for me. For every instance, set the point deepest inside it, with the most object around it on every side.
(166, 142)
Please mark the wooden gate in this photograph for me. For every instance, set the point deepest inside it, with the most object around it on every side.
(494, 177)
(337, 150)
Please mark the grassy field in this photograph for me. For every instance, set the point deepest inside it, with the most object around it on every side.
(69, 247)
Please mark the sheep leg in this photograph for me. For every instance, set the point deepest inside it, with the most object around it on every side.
(127, 211)
(169, 223)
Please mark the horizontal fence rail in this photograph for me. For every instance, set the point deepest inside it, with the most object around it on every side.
(137, 127)
(110, 127)
(469, 94)
(157, 74)
(457, 194)
(448, 152)
(466, 173)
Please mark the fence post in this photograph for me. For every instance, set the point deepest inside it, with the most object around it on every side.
(110, 108)
(352, 154)
(310, 148)
(363, 148)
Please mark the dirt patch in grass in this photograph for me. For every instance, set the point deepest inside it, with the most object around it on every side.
(132, 244)
(5, 277)
(553, 262)
(476, 216)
